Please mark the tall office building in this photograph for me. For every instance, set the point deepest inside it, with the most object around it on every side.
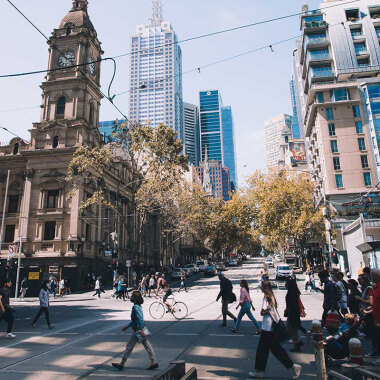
(296, 133)
(191, 133)
(156, 74)
(278, 131)
(229, 153)
(216, 137)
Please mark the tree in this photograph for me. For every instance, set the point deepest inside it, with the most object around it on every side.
(153, 161)
(284, 208)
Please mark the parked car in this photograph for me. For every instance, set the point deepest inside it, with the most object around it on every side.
(220, 266)
(210, 270)
(277, 258)
(283, 272)
(269, 261)
(193, 269)
(176, 273)
(232, 263)
(201, 264)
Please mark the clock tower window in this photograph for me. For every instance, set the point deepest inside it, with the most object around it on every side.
(61, 105)
(55, 141)
(91, 114)
(15, 148)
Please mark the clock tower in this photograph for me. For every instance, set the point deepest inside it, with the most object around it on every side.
(71, 90)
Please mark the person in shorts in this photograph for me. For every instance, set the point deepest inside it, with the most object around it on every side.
(164, 286)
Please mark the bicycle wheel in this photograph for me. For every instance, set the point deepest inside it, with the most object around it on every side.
(180, 310)
(157, 310)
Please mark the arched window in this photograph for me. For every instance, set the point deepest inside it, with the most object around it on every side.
(61, 104)
(15, 148)
(69, 26)
(55, 141)
(91, 114)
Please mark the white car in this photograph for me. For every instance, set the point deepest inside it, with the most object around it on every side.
(269, 261)
(283, 272)
(277, 257)
(201, 264)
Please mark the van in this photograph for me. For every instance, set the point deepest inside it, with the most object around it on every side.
(201, 264)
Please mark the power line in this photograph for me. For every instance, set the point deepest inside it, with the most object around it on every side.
(81, 71)
(169, 43)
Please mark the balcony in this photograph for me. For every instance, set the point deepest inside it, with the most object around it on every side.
(314, 26)
(317, 57)
(361, 50)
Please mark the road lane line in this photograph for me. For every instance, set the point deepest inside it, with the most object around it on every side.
(182, 334)
(229, 335)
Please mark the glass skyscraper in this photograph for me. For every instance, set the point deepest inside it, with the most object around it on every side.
(295, 126)
(191, 132)
(229, 144)
(217, 137)
(156, 74)
(106, 128)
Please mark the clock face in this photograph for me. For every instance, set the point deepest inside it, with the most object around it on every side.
(66, 59)
(91, 65)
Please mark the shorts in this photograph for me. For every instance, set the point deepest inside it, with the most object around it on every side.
(167, 294)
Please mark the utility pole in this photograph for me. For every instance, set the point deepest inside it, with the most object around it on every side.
(20, 237)
(4, 209)
(327, 218)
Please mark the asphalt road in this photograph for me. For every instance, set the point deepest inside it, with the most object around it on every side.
(88, 337)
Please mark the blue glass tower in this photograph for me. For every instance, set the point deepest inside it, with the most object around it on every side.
(106, 128)
(295, 127)
(217, 132)
(229, 145)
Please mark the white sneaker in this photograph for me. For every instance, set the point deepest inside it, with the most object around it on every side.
(10, 336)
(256, 375)
(297, 371)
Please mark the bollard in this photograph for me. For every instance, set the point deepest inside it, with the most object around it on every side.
(319, 351)
(356, 352)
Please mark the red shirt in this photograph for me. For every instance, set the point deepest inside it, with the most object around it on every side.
(376, 305)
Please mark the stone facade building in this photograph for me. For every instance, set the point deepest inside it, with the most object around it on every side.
(58, 238)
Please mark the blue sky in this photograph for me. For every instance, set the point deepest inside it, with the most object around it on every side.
(256, 86)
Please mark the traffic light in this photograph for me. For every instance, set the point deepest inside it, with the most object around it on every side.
(335, 258)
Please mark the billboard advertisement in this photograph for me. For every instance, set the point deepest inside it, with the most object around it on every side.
(297, 152)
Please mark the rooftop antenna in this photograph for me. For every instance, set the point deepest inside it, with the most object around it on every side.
(157, 17)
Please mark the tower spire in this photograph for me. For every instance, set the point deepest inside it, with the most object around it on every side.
(80, 5)
(157, 16)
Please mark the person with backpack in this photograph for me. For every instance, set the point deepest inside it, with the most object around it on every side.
(227, 297)
(44, 305)
(329, 294)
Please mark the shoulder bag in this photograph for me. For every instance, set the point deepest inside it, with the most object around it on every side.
(140, 337)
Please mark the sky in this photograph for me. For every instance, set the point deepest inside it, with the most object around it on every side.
(256, 85)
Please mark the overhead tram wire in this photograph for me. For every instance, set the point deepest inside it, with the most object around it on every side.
(81, 71)
(169, 43)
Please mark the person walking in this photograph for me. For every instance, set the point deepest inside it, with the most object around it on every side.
(134, 277)
(245, 304)
(44, 305)
(227, 297)
(268, 339)
(97, 288)
(142, 286)
(375, 276)
(151, 284)
(61, 287)
(183, 281)
(24, 288)
(140, 334)
(53, 286)
(293, 314)
(6, 311)
(341, 294)
(121, 287)
(329, 294)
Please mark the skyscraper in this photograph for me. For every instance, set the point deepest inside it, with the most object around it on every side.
(217, 131)
(278, 131)
(229, 153)
(156, 74)
(296, 132)
(191, 132)
(106, 128)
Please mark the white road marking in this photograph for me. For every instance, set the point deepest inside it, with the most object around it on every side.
(184, 334)
(229, 335)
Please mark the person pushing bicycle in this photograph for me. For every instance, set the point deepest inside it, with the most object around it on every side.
(163, 286)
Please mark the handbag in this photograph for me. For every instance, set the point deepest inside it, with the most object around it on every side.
(140, 337)
(232, 297)
(332, 320)
(302, 308)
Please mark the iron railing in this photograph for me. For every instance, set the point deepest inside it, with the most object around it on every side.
(359, 374)
(191, 374)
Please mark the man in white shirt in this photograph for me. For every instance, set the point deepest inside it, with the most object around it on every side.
(61, 287)
(97, 288)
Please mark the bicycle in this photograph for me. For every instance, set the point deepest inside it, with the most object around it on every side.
(157, 309)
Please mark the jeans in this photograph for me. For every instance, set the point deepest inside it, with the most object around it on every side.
(269, 342)
(131, 344)
(225, 312)
(246, 309)
(97, 292)
(8, 317)
(42, 310)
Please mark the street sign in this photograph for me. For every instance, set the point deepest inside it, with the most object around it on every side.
(108, 253)
(12, 249)
(128, 263)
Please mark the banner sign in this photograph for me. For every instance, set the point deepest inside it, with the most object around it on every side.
(297, 152)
